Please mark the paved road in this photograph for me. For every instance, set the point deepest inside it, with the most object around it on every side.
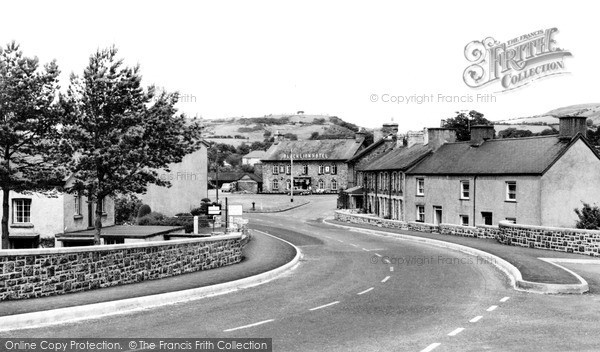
(357, 292)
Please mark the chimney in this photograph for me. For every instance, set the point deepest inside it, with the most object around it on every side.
(481, 133)
(414, 138)
(436, 137)
(387, 129)
(571, 125)
(359, 136)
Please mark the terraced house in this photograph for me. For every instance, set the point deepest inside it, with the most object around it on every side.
(315, 165)
(532, 181)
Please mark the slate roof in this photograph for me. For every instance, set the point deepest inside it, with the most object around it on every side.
(230, 176)
(321, 149)
(398, 158)
(514, 156)
(255, 154)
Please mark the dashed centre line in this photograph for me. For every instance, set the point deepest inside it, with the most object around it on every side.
(476, 319)
(385, 279)
(325, 305)
(491, 308)
(249, 325)
(504, 299)
(365, 291)
(456, 332)
(431, 347)
(379, 255)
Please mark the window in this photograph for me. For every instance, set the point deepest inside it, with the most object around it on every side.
(334, 185)
(334, 169)
(512, 220)
(288, 185)
(487, 217)
(288, 169)
(78, 205)
(281, 169)
(327, 169)
(464, 220)
(394, 180)
(420, 213)
(320, 169)
(420, 186)
(464, 190)
(275, 185)
(511, 191)
(21, 211)
(305, 169)
(321, 184)
(275, 170)
(103, 206)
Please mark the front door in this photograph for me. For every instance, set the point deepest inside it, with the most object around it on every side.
(437, 215)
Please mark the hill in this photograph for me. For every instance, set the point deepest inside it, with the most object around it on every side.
(550, 119)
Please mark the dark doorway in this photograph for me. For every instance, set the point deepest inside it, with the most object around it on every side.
(487, 217)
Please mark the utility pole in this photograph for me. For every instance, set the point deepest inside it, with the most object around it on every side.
(292, 175)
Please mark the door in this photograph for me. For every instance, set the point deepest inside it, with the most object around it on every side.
(437, 215)
(487, 217)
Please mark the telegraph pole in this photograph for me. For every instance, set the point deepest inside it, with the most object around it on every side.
(292, 175)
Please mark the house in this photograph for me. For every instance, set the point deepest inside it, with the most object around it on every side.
(36, 219)
(189, 184)
(315, 165)
(533, 181)
(249, 182)
(253, 157)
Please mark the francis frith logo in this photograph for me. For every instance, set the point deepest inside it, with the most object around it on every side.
(516, 62)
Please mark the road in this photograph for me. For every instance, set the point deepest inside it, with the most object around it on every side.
(360, 292)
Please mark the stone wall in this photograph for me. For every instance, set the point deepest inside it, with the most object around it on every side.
(551, 238)
(47, 272)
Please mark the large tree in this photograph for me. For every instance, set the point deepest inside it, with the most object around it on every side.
(117, 136)
(28, 127)
(463, 121)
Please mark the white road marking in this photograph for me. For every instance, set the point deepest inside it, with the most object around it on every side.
(385, 279)
(504, 299)
(391, 268)
(377, 254)
(365, 291)
(476, 319)
(431, 347)
(387, 261)
(340, 241)
(325, 305)
(456, 332)
(250, 325)
(492, 308)
(354, 245)
(364, 249)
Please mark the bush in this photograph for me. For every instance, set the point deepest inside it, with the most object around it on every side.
(158, 219)
(126, 209)
(143, 211)
(178, 215)
(589, 217)
(148, 219)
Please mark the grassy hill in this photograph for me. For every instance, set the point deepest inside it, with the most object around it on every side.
(550, 118)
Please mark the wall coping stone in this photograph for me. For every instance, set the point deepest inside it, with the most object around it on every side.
(112, 247)
(547, 228)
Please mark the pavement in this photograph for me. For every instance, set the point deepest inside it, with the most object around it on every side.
(263, 253)
(526, 260)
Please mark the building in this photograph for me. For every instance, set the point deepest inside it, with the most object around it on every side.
(533, 181)
(249, 182)
(189, 184)
(253, 157)
(36, 219)
(316, 165)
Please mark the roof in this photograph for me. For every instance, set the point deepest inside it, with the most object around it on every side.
(253, 177)
(515, 156)
(320, 149)
(255, 154)
(398, 158)
(367, 149)
(233, 176)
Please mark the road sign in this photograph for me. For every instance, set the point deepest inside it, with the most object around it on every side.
(234, 210)
(214, 210)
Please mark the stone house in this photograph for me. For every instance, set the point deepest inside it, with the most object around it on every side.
(316, 165)
(253, 157)
(532, 181)
(36, 219)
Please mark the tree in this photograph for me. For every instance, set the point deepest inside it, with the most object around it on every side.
(117, 137)
(512, 132)
(589, 217)
(314, 135)
(28, 127)
(463, 121)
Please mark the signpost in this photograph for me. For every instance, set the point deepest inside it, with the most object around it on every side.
(213, 210)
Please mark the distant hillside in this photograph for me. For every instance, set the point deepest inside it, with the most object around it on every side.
(550, 119)
(238, 130)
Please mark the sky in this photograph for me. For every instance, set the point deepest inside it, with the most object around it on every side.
(348, 59)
